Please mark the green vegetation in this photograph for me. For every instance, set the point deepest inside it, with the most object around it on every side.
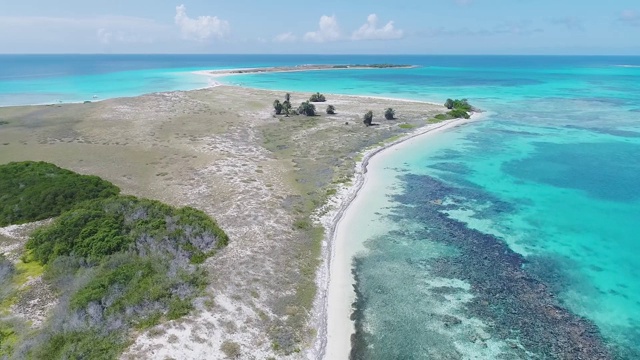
(389, 114)
(286, 107)
(458, 104)
(100, 228)
(331, 109)
(277, 106)
(118, 264)
(368, 118)
(406, 126)
(459, 109)
(307, 108)
(317, 97)
(3, 122)
(34, 191)
(231, 349)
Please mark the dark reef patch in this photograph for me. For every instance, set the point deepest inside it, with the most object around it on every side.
(518, 303)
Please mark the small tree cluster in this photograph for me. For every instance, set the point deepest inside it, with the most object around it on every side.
(458, 104)
(317, 97)
(277, 105)
(389, 114)
(368, 118)
(459, 108)
(283, 107)
(307, 108)
(331, 109)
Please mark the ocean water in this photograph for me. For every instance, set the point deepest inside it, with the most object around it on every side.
(513, 237)
(47, 79)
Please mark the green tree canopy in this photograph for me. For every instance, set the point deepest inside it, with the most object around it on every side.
(277, 105)
(317, 97)
(306, 108)
(368, 118)
(32, 191)
(389, 114)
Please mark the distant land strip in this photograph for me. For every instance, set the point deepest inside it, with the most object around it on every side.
(308, 68)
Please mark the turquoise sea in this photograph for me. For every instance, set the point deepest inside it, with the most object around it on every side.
(525, 224)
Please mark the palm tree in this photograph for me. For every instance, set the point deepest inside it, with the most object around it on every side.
(389, 114)
(287, 97)
(331, 109)
(277, 106)
(368, 118)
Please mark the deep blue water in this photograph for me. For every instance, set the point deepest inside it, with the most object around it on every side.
(546, 186)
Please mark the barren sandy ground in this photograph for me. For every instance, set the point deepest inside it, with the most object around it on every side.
(261, 177)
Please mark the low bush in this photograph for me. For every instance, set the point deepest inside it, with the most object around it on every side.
(100, 228)
(34, 191)
(389, 114)
(368, 118)
(317, 97)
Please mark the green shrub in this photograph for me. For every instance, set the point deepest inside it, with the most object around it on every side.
(389, 114)
(34, 191)
(118, 263)
(458, 113)
(331, 109)
(368, 118)
(306, 108)
(458, 104)
(277, 106)
(230, 349)
(317, 97)
(100, 228)
(302, 224)
(80, 345)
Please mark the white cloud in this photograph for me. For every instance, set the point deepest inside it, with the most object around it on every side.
(285, 37)
(328, 30)
(201, 28)
(370, 31)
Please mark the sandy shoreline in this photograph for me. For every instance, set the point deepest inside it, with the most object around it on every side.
(333, 305)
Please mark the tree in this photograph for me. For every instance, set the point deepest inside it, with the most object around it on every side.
(307, 108)
(317, 97)
(389, 114)
(286, 107)
(449, 104)
(277, 106)
(287, 97)
(368, 118)
(331, 109)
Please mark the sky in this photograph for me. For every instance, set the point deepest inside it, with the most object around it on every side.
(322, 27)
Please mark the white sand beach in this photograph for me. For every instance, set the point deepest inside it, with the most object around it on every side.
(336, 292)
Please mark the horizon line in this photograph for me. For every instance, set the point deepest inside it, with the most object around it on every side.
(320, 54)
